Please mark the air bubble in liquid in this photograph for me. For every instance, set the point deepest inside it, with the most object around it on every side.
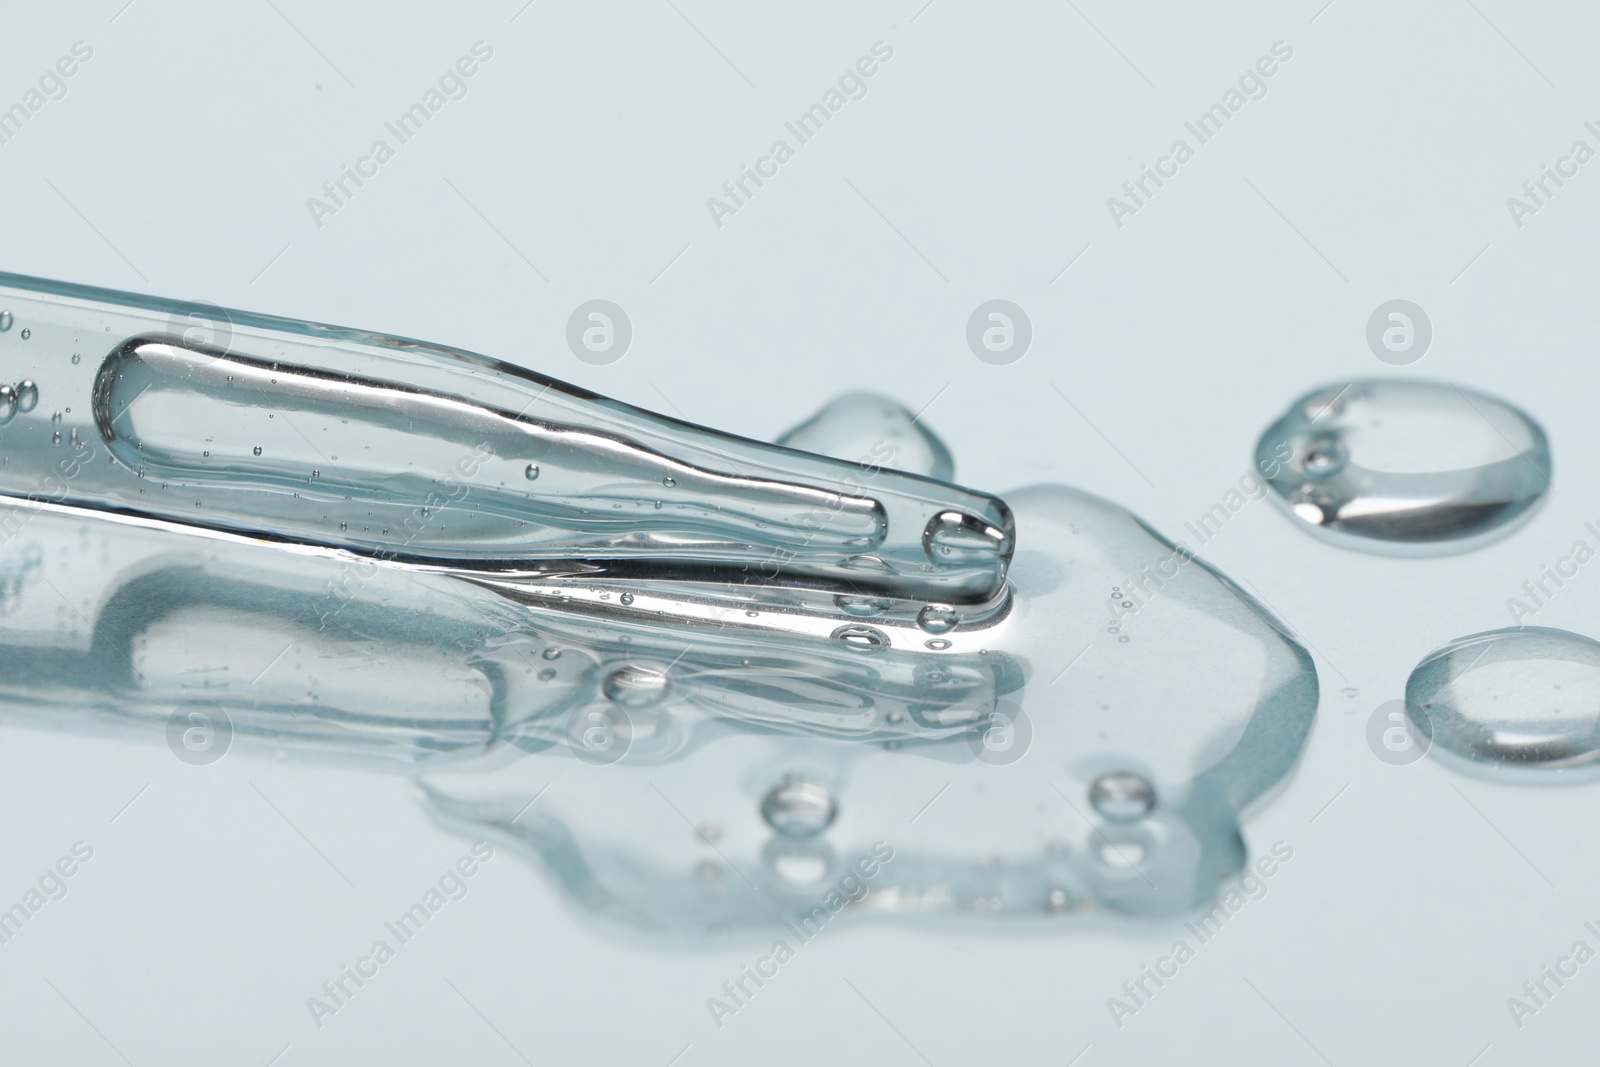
(1122, 796)
(635, 685)
(799, 808)
(862, 637)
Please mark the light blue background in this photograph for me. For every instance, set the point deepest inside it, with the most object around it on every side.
(977, 167)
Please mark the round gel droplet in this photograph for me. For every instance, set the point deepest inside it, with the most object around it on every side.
(937, 619)
(1122, 796)
(27, 394)
(799, 808)
(1515, 704)
(531, 472)
(6, 319)
(1402, 467)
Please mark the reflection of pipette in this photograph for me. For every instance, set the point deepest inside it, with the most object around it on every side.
(369, 444)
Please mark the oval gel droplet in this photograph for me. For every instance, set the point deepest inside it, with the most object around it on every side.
(1405, 468)
(1520, 703)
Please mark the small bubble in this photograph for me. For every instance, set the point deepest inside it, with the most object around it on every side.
(531, 472)
(1324, 455)
(6, 319)
(551, 653)
(669, 482)
(547, 674)
(938, 644)
(635, 685)
(626, 599)
(76, 357)
(938, 619)
(1122, 796)
(26, 334)
(798, 808)
(862, 606)
(27, 394)
(862, 637)
(256, 450)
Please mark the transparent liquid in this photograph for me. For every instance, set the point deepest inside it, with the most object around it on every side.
(374, 445)
(1405, 468)
(1099, 722)
(1517, 704)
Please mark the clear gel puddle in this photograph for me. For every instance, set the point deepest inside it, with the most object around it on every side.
(1405, 468)
(1079, 757)
(1082, 739)
(1516, 704)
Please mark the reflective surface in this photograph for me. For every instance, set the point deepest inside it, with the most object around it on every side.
(1407, 468)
